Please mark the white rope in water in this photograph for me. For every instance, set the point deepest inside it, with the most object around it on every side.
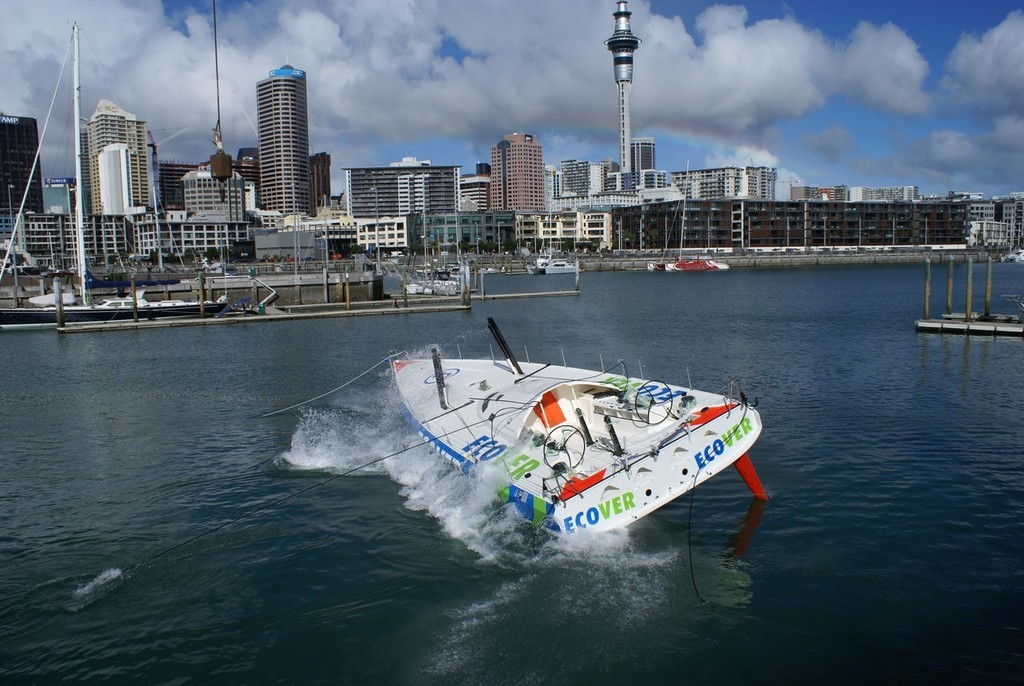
(335, 390)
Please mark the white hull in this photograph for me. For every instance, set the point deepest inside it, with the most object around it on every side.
(546, 264)
(649, 442)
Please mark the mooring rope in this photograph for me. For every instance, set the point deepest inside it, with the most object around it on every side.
(334, 390)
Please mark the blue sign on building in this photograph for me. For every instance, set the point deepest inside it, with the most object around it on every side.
(288, 70)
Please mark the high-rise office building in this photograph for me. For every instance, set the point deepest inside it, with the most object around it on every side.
(622, 45)
(517, 174)
(170, 174)
(284, 141)
(112, 126)
(115, 179)
(407, 187)
(581, 178)
(320, 180)
(19, 140)
(641, 154)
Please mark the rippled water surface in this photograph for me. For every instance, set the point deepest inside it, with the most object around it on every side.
(158, 528)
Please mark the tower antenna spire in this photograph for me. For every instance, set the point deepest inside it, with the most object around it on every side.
(622, 45)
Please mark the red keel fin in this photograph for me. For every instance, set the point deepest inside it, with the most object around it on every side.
(746, 469)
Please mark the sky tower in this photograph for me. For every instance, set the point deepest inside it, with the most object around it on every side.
(622, 44)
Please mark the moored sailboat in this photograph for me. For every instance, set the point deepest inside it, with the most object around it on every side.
(47, 312)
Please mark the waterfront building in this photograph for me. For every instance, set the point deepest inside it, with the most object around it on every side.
(990, 234)
(517, 174)
(474, 231)
(185, 236)
(387, 234)
(125, 170)
(565, 230)
(19, 142)
(622, 45)
(50, 237)
(740, 225)
(726, 182)
(1011, 211)
(402, 188)
(282, 113)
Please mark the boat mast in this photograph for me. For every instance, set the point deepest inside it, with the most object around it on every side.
(79, 212)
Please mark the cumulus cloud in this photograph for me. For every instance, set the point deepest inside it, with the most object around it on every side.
(738, 79)
(988, 71)
(396, 73)
(883, 69)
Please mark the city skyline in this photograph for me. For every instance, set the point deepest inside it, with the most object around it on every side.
(873, 94)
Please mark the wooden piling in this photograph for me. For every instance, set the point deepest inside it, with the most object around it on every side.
(202, 297)
(58, 294)
(949, 287)
(988, 288)
(970, 276)
(927, 286)
(135, 299)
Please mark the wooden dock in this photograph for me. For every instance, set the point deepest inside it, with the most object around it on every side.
(254, 319)
(998, 327)
(412, 305)
(970, 322)
(514, 296)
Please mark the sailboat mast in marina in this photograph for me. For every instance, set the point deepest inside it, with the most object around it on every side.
(79, 210)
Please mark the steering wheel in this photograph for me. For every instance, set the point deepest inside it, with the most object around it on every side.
(564, 440)
(648, 408)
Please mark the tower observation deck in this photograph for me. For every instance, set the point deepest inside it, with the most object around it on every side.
(622, 45)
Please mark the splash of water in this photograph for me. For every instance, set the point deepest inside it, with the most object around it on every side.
(87, 593)
(466, 507)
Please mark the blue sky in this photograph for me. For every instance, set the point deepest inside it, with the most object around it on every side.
(865, 93)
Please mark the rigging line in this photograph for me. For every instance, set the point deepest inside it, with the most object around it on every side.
(276, 502)
(35, 165)
(110, 79)
(324, 395)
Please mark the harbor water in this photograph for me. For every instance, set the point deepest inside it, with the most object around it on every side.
(156, 526)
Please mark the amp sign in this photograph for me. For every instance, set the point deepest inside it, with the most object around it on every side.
(7, 119)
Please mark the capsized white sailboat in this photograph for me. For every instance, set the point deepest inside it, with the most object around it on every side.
(578, 449)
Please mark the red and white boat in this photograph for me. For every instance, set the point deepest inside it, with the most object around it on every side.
(697, 264)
